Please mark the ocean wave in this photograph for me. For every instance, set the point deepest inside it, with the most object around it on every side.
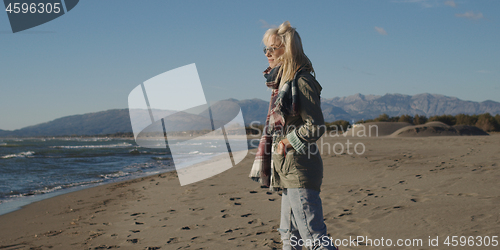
(136, 152)
(52, 189)
(206, 153)
(22, 154)
(197, 153)
(118, 145)
(94, 139)
(161, 158)
(114, 175)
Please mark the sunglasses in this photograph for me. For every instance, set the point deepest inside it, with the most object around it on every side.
(271, 49)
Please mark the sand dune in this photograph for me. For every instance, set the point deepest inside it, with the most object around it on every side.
(374, 129)
(437, 129)
(399, 188)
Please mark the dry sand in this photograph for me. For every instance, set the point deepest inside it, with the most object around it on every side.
(437, 129)
(400, 188)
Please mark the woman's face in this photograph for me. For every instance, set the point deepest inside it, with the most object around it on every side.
(274, 50)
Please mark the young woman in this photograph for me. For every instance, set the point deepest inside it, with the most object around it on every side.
(288, 157)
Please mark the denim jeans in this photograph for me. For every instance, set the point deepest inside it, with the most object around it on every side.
(302, 220)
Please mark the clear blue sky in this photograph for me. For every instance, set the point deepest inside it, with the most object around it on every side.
(90, 59)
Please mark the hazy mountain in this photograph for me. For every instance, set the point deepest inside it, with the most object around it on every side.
(332, 113)
(254, 110)
(104, 122)
(355, 107)
(359, 106)
(4, 132)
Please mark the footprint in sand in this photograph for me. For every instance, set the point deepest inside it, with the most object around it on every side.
(172, 240)
(197, 209)
(344, 214)
(99, 247)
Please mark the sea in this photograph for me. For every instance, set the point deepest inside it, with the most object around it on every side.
(33, 169)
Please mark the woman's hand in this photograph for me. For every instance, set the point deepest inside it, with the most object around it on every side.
(283, 146)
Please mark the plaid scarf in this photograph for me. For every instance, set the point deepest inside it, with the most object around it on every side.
(284, 102)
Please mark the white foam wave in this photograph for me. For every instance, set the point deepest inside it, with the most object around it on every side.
(114, 175)
(52, 189)
(22, 154)
(118, 145)
(94, 139)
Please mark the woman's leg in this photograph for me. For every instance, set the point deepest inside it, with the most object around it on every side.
(307, 212)
(288, 228)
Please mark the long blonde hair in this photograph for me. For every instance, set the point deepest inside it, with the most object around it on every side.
(294, 57)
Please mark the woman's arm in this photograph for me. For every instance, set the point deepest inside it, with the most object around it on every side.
(310, 112)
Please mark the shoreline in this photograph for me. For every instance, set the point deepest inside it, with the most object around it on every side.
(401, 188)
(13, 204)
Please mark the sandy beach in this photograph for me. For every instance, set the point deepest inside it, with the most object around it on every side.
(408, 188)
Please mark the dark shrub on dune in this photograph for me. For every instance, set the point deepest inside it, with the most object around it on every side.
(382, 118)
(487, 123)
(446, 119)
(463, 119)
(340, 125)
(406, 118)
(419, 119)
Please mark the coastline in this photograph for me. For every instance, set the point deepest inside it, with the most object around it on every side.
(400, 188)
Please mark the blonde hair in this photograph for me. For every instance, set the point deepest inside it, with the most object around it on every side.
(294, 57)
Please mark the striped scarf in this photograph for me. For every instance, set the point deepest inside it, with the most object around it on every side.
(284, 102)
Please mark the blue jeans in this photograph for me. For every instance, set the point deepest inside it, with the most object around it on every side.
(302, 220)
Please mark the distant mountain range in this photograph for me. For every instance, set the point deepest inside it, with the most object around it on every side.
(355, 107)
(360, 106)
